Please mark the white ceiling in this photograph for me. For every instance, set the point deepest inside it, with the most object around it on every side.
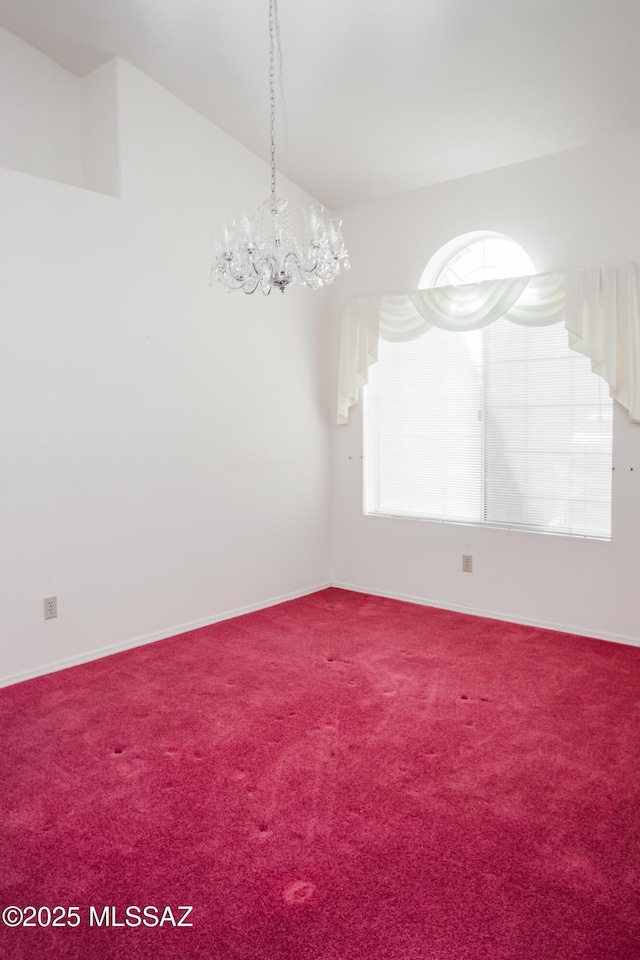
(381, 97)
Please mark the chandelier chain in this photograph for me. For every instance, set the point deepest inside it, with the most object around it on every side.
(282, 101)
(273, 13)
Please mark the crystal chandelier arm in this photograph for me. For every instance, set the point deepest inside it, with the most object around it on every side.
(323, 270)
(234, 278)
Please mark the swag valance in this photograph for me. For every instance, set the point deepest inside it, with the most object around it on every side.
(599, 306)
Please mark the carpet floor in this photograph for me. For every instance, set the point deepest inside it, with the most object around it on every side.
(340, 777)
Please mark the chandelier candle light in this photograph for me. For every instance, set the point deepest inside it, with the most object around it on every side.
(263, 252)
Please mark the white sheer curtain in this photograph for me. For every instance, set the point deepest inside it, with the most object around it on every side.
(600, 307)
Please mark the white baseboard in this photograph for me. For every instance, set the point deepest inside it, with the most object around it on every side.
(265, 604)
(493, 615)
(159, 635)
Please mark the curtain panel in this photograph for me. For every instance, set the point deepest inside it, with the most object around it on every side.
(599, 306)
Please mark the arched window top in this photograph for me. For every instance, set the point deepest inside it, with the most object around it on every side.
(473, 257)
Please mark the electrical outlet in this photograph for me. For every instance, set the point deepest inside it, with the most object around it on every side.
(50, 608)
(467, 564)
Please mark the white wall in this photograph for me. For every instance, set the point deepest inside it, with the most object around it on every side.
(163, 445)
(572, 209)
(99, 129)
(40, 106)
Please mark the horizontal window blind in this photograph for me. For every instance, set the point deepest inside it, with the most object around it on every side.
(548, 429)
(504, 425)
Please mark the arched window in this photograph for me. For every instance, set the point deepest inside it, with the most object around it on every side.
(505, 425)
(482, 255)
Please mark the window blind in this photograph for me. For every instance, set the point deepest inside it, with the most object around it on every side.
(504, 425)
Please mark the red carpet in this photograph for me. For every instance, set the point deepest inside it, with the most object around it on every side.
(341, 777)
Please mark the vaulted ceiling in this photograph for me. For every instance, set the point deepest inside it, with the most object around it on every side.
(380, 97)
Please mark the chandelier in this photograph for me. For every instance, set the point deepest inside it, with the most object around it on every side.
(263, 251)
